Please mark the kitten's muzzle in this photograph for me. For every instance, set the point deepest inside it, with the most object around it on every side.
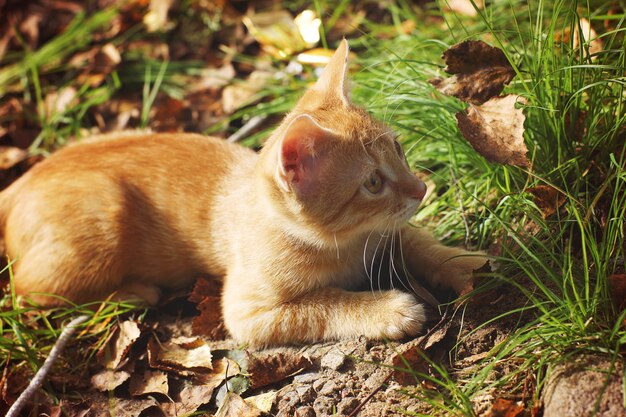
(417, 190)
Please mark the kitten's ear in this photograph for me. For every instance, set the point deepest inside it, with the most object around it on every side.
(332, 82)
(301, 155)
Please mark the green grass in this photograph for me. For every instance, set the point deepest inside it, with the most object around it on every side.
(570, 255)
(575, 131)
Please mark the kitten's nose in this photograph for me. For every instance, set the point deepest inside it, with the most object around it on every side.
(419, 189)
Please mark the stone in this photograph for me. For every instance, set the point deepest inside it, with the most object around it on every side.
(333, 360)
(329, 388)
(323, 406)
(577, 387)
(306, 411)
(347, 405)
(308, 378)
(306, 393)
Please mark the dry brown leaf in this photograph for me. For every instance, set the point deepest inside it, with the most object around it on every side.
(236, 96)
(11, 156)
(104, 406)
(209, 323)
(267, 368)
(589, 35)
(480, 72)
(407, 363)
(547, 198)
(496, 130)
(156, 18)
(235, 406)
(188, 394)
(149, 382)
(114, 352)
(464, 6)
(263, 402)
(276, 31)
(58, 101)
(617, 285)
(506, 408)
(108, 379)
(183, 355)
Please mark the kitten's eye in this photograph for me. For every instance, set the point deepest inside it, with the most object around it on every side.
(374, 183)
(399, 148)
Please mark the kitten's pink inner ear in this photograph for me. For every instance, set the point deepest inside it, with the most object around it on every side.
(301, 155)
(332, 82)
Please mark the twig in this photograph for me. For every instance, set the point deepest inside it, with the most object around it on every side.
(42, 373)
(246, 128)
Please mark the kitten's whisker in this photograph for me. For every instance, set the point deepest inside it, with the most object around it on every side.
(374, 260)
(367, 274)
(336, 244)
(380, 266)
(407, 274)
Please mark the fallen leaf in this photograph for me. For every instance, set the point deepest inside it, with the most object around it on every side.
(309, 27)
(113, 353)
(464, 6)
(592, 44)
(188, 395)
(496, 130)
(188, 398)
(480, 72)
(317, 56)
(235, 406)
(407, 364)
(105, 406)
(617, 285)
(276, 32)
(58, 101)
(183, 355)
(11, 156)
(506, 408)
(267, 368)
(547, 198)
(263, 402)
(209, 322)
(108, 379)
(238, 95)
(156, 18)
(474, 282)
(149, 382)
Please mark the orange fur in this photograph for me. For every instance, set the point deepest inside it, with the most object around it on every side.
(288, 228)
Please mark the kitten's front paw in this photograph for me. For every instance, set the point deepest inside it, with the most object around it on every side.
(457, 271)
(405, 316)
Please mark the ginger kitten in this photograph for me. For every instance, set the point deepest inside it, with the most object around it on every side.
(287, 228)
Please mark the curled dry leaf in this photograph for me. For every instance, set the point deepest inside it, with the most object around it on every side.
(11, 156)
(263, 402)
(270, 367)
(209, 323)
(464, 6)
(547, 198)
(188, 395)
(108, 379)
(114, 352)
(277, 32)
(156, 18)
(183, 355)
(150, 382)
(506, 408)
(480, 72)
(496, 130)
(235, 406)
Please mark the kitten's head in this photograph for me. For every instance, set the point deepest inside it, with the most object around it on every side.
(334, 170)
